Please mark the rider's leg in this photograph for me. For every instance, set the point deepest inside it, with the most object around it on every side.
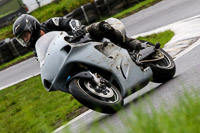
(94, 32)
(104, 29)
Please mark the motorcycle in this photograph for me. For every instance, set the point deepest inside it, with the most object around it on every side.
(100, 74)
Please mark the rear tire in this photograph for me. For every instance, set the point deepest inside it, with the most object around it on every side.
(164, 69)
(82, 90)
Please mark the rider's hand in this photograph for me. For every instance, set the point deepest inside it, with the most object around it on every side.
(76, 28)
(78, 32)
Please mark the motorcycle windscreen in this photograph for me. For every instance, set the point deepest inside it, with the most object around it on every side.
(43, 44)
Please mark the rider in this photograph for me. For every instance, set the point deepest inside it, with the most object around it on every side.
(27, 30)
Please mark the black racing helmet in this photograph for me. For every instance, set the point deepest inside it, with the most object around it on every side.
(27, 23)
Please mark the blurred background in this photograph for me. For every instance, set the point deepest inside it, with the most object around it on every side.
(34, 4)
(10, 9)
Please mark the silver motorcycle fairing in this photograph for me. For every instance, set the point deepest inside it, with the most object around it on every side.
(42, 45)
(51, 54)
(61, 56)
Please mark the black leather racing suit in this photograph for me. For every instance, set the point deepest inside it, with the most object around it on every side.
(97, 31)
(61, 24)
(71, 26)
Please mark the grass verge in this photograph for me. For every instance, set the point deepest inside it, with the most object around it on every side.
(27, 107)
(182, 117)
(56, 9)
(162, 37)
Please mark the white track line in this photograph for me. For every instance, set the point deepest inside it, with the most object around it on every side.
(73, 120)
(21, 80)
(194, 45)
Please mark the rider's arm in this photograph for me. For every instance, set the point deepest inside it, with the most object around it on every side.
(61, 24)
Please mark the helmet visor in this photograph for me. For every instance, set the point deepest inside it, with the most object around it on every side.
(24, 38)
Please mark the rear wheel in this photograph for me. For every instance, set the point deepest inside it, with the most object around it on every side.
(105, 98)
(163, 69)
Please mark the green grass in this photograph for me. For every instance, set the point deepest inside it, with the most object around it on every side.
(28, 107)
(182, 117)
(58, 9)
(162, 37)
(6, 32)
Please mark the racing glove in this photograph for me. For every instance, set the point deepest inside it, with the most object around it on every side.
(77, 28)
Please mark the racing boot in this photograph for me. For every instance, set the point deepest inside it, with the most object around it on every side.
(94, 32)
(132, 45)
(103, 29)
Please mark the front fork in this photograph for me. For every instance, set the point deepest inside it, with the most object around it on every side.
(96, 78)
(90, 76)
(99, 85)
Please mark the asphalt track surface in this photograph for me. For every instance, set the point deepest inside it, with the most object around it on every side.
(163, 13)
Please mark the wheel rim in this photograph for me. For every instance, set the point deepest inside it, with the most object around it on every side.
(107, 94)
(111, 96)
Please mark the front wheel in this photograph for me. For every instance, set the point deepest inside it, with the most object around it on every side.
(105, 99)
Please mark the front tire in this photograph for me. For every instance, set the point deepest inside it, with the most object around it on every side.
(83, 90)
